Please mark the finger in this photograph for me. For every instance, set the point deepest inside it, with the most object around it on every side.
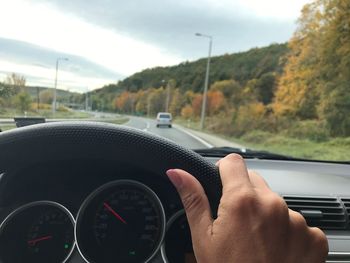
(258, 181)
(233, 172)
(319, 241)
(194, 200)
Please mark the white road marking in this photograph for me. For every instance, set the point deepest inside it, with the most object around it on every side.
(195, 137)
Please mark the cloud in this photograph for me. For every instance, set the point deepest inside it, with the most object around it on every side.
(37, 64)
(43, 25)
(108, 39)
(170, 25)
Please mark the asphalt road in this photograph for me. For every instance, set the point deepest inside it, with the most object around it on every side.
(184, 137)
(176, 135)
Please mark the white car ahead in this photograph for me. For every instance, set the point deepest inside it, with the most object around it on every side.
(164, 119)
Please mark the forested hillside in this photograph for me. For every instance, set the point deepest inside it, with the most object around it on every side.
(300, 89)
(258, 65)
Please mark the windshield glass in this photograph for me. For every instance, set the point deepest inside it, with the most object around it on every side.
(267, 75)
(164, 116)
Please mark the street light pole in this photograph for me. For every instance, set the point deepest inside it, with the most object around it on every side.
(206, 83)
(55, 90)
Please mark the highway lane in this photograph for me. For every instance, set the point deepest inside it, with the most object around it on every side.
(176, 135)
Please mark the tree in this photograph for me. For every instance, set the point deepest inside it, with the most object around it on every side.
(22, 101)
(17, 81)
(5, 90)
(266, 86)
(297, 88)
(125, 102)
(156, 101)
(142, 102)
(227, 87)
(187, 112)
(216, 102)
(334, 66)
(197, 104)
(177, 102)
(46, 96)
(12, 85)
(249, 117)
(336, 110)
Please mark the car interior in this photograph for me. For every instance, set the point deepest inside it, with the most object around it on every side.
(72, 180)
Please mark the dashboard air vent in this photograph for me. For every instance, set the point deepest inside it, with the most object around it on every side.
(346, 202)
(322, 212)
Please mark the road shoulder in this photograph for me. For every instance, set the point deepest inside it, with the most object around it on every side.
(211, 140)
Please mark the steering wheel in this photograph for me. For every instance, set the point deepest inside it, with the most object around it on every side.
(92, 140)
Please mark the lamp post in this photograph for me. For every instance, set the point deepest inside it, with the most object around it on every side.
(204, 102)
(55, 90)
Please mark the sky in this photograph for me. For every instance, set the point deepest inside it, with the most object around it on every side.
(108, 40)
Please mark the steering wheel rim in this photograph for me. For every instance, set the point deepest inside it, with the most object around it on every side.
(90, 140)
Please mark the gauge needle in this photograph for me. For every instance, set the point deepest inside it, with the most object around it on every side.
(110, 209)
(34, 241)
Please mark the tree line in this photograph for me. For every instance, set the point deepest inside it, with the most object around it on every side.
(18, 98)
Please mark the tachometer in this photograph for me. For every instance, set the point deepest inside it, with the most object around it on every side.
(41, 231)
(122, 221)
(177, 245)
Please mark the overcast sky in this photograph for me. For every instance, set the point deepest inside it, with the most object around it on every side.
(107, 40)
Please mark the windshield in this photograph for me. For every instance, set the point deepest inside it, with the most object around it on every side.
(164, 116)
(263, 75)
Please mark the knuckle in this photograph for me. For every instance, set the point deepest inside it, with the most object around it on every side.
(191, 201)
(276, 206)
(298, 221)
(243, 201)
(320, 240)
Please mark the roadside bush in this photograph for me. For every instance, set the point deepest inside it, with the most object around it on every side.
(311, 129)
(248, 118)
(221, 124)
(22, 101)
(2, 105)
(335, 109)
(62, 109)
(43, 106)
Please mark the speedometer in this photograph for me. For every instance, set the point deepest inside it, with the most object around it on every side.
(122, 221)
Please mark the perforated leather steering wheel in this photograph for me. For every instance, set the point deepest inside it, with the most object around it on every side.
(91, 140)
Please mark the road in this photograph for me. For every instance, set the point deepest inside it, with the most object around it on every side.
(185, 137)
(176, 135)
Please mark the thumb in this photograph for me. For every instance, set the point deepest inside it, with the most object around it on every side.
(194, 201)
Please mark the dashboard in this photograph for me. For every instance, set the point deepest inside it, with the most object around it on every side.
(105, 211)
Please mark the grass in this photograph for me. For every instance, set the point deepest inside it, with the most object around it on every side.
(333, 149)
(6, 127)
(66, 114)
(336, 149)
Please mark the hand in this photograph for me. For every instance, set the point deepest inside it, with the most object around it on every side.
(254, 224)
